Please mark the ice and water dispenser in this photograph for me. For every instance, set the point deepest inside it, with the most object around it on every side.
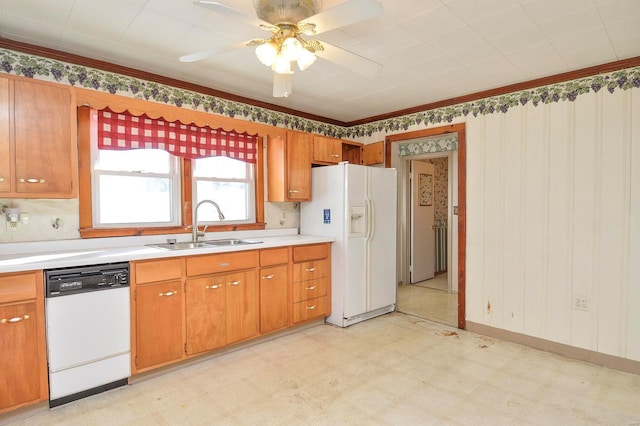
(358, 220)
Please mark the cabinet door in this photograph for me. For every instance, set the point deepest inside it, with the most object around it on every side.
(19, 363)
(242, 306)
(5, 157)
(158, 323)
(205, 306)
(273, 298)
(299, 148)
(327, 150)
(45, 154)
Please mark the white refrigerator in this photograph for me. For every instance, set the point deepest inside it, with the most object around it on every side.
(357, 206)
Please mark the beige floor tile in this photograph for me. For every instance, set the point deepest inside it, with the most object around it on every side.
(391, 370)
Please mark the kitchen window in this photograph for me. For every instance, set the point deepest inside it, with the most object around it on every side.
(228, 182)
(141, 186)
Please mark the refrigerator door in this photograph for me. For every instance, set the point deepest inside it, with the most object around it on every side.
(355, 244)
(382, 189)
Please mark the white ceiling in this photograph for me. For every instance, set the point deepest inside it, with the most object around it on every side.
(430, 49)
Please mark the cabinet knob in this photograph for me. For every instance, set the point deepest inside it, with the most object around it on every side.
(234, 283)
(14, 319)
(212, 286)
(167, 294)
(267, 277)
(31, 180)
(1, 179)
(311, 308)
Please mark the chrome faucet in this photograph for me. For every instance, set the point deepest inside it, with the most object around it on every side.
(195, 233)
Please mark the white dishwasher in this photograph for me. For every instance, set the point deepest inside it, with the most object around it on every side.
(88, 330)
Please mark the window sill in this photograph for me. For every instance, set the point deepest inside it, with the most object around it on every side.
(136, 232)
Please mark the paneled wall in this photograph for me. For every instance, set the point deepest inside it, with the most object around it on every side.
(553, 221)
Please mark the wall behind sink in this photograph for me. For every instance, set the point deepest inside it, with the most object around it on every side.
(42, 215)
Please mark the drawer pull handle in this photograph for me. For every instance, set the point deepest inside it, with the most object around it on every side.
(311, 308)
(224, 264)
(312, 269)
(293, 191)
(167, 294)
(1, 179)
(31, 180)
(234, 283)
(212, 286)
(14, 319)
(267, 277)
(313, 287)
(335, 155)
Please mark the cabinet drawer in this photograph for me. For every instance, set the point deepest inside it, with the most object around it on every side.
(158, 270)
(223, 262)
(17, 287)
(313, 308)
(306, 290)
(276, 256)
(316, 251)
(311, 270)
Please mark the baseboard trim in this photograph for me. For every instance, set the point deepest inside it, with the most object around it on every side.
(609, 361)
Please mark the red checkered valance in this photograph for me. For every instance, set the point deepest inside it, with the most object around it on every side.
(122, 130)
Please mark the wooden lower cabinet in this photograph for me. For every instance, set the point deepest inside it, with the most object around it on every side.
(311, 284)
(274, 312)
(242, 305)
(188, 305)
(159, 319)
(23, 362)
(205, 313)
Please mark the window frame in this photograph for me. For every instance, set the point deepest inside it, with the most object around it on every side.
(87, 130)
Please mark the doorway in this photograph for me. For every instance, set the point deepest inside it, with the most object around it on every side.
(454, 279)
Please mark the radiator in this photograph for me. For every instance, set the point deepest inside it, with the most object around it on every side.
(441, 248)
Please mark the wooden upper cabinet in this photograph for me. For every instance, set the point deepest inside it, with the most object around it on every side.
(5, 152)
(40, 119)
(327, 150)
(373, 153)
(289, 167)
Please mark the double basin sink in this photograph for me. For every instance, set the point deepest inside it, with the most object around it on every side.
(184, 245)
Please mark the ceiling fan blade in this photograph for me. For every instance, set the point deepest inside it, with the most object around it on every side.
(349, 60)
(241, 16)
(346, 13)
(282, 85)
(219, 7)
(198, 56)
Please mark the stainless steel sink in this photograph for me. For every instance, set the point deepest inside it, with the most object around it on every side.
(230, 242)
(185, 245)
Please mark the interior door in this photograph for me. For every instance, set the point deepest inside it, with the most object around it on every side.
(423, 242)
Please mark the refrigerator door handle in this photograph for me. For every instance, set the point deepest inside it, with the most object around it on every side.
(371, 219)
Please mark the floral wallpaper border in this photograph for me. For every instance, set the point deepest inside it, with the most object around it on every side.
(429, 145)
(30, 66)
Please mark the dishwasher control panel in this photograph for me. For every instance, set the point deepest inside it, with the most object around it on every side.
(68, 281)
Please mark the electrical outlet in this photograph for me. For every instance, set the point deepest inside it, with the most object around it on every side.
(581, 303)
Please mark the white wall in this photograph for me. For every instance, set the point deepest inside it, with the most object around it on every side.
(553, 213)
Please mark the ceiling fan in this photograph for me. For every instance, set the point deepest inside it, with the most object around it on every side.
(291, 22)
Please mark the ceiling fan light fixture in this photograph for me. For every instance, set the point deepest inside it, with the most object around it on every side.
(282, 65)
(305, 59)
(267, 53)
(291, 48)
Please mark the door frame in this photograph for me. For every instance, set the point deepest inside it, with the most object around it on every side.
(460, 130)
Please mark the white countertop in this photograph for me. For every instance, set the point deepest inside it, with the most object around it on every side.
(58, 254)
